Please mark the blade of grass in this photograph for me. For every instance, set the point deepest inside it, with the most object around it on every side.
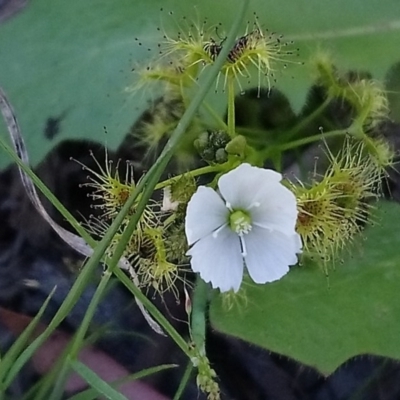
(184, 381)
(10, 364)
(49, 195)
(51, 377)
(79, 337)
(90, 394)
(102, 387)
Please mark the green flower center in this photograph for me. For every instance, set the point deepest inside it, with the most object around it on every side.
(240, 222)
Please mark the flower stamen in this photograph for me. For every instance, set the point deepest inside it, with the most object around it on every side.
(240, 222)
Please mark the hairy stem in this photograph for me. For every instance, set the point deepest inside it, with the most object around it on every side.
(231, 107)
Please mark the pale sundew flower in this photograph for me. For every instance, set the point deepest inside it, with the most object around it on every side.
(249, 222)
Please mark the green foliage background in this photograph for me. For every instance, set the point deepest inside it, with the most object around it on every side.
(74, 58)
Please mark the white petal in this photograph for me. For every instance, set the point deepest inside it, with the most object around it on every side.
(206, 212)
(297, 243)
(277, 209)
(219, 260)
(259, 191)
(246, 185)
(269, 254)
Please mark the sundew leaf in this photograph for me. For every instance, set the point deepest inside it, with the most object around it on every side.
(301, 317)
(66, 65)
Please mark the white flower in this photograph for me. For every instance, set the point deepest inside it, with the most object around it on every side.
(249, 222)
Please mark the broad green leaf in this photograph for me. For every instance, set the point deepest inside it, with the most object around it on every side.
(301, 317)
(72, 59)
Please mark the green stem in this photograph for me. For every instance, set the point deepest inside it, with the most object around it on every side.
(183, 94)
(231, 107)
(309, 118)
(76, 343)
(254, 132)
(196, 172)
(62, 375)
(184, 381)
(10, 365)
(169, 220)
(125, 237)
(310, 139)
(84, 325)
(198, 314)
(155, 313)
(251, 132)
(48, 194)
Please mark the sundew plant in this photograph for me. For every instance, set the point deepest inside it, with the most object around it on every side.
(258, 219)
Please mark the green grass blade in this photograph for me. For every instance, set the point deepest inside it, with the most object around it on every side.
(47, 193)
(91, 394)
(11, 363)
(102, 387)
(79, 337)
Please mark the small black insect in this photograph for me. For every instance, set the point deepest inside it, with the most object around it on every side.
(238, 48)
(212, 48)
